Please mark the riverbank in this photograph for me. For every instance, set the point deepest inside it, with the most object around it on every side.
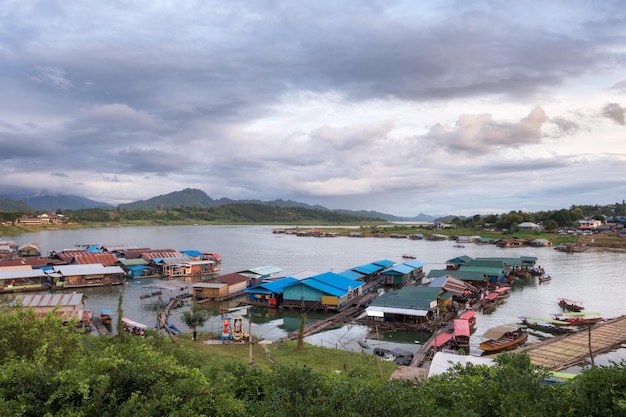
(597, 241)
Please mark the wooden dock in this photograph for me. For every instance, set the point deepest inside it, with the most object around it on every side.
(565, 351)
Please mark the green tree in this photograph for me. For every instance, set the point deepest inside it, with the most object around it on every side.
(194, 317)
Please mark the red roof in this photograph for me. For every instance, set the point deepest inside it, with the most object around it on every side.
(468, 315)
(441, 339)
(461, 328)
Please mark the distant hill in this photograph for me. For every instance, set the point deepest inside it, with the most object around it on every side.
(9, 204)
(55, 202)
(188, 197)
(391, 217)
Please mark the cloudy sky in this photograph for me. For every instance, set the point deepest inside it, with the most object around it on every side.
(405, 107)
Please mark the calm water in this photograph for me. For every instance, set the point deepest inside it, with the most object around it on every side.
(595, 278)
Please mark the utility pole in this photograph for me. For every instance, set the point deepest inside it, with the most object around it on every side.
(590, 349)
(250, 336)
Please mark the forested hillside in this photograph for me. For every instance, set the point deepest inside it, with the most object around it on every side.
(231, 213)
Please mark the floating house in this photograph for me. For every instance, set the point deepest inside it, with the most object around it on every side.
(407, 306)
(90, 275)
(160, 292)
(261, 274)
(270, 293)
(29, 249)
(327, 291)
(400, 275)
(68, 306)
(476, 278)
(137, 268)
(236, 282)
(23, 278)
(210, 291)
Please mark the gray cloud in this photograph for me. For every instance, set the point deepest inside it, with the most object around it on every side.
(615, 112)
(480, 134)
(315, 99)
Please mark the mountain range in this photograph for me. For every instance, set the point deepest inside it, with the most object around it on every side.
(188, 197)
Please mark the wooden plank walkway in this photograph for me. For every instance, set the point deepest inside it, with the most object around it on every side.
(565, 351)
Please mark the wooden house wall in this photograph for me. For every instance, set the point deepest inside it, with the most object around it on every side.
(213, 293)
(237, 287)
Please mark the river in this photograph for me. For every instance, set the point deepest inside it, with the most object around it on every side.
(593, 277)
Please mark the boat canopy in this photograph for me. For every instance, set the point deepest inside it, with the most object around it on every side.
(502, 289)
(491, 296)
(461, 328)
(499, 331)
(468, 315)
(572, 302)
(132, 323)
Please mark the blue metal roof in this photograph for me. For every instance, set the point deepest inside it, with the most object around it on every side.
(415, 264)
(384, 262)
(401, 269)
(336, 281)
(191, 252)
(273, 287)
(137, 267)
(350, 274)
(367, 269)
(320, 286)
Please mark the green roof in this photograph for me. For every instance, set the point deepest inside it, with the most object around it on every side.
(485, 270)
(485, 263)
(460, 260)
(417, 298)
(462, 275)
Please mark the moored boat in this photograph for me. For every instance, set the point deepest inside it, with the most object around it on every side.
(577, 318)
(133, 327)
(470, 316)
(490, 302)
(407, 256)
(461, 333)
(504, 337)
(544, 277)
(551, 326)
(172, 328)
(106, 316)
(503, 292)
(571, 305)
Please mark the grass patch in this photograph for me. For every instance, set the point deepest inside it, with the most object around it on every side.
(319, 359)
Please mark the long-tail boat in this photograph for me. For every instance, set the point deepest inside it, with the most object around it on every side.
(504, 337)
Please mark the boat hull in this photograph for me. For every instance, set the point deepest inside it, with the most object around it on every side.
(504, 343)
